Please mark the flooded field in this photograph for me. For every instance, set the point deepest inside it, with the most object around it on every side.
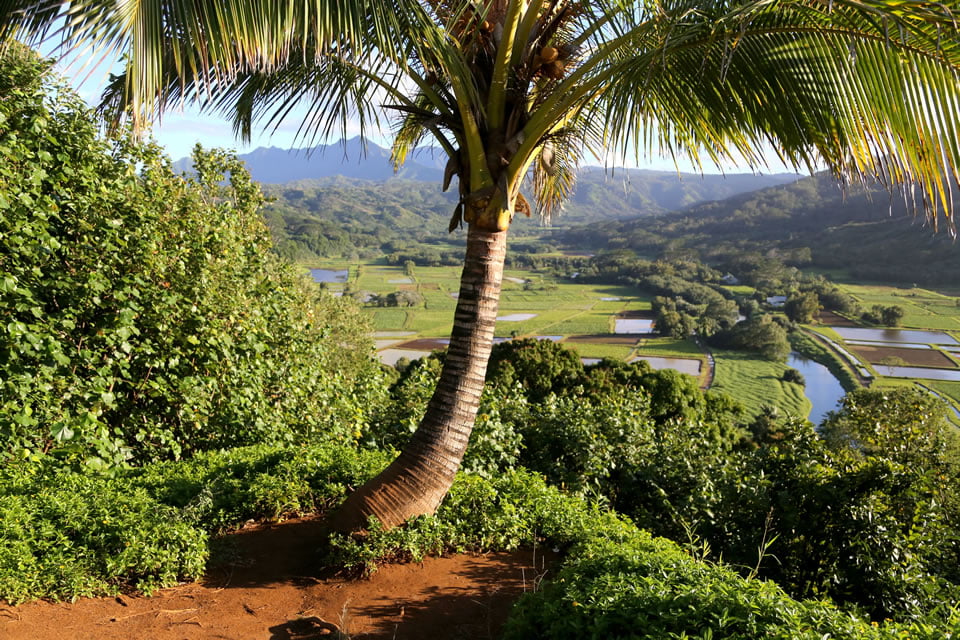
(952, 375)
(516, 317)
(640, 326)
(911, 357)
(688, 366)
(425, 343)
(329, 275)
(895, 335)
(391, 356)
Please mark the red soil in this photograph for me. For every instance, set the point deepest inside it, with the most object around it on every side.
(912, 357)
(832, 319)
(270, 591)
(423, 344)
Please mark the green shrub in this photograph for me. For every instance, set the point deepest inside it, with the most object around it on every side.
(644, 587)
(858, 526)
(144, 314)
(75, 535)
(617, 581)
(65, 533)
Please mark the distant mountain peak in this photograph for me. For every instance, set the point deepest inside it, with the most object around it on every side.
(353, 158)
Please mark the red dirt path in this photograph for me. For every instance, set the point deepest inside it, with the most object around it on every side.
(269, 592)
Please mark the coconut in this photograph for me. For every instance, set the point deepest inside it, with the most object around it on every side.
(553, 70)
(549, 54)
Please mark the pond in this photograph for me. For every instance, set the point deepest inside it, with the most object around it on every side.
(633, 325)
(517, 317)
(926, 373)
(822, 388)
(689, 366)
(329, 275)
(895, 335)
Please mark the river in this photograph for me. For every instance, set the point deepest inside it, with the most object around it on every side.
(822, 388)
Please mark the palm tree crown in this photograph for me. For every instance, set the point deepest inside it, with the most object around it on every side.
(862, 87)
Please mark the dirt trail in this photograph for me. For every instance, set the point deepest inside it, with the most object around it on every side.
(271, 591)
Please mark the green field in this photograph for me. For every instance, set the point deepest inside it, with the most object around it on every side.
(756, 382)
(923, 309)
(565, 308)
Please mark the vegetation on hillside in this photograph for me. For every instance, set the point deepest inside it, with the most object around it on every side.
(858, 231)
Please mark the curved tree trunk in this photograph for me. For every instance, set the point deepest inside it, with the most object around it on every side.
(417, 481)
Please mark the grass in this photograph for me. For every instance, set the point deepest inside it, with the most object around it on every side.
(590, 350)
(756, 382)
(949, 389)
(669, 347)
(924, 309)
(389, 320)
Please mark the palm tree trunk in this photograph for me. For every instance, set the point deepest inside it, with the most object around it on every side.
(417, 481)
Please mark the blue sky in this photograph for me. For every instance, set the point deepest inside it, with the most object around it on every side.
(179, 130)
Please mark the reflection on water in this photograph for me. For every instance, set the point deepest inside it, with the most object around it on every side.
(329, 275)
(633, 325)
(895, 335)
(822, 388)
(952, 375)
(517, 317)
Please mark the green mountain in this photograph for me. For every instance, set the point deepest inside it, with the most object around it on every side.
(860, 232)
(338, 215)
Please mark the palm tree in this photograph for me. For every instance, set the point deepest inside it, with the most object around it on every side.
(517, 92)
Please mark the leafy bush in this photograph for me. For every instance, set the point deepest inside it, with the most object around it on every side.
(864, 529)
(579, 443)
(541, 367)
(644, 587)
(792, 375)
(74, 535)
(65, 534)
(616, 581)
(145, 316)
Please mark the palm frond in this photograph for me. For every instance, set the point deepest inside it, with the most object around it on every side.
(868, 92)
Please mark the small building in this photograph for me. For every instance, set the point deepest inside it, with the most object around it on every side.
(730, 279)
(776, 301)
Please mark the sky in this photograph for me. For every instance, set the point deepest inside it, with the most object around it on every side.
(178, 130)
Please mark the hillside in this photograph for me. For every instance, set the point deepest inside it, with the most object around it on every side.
(809, 222)
(349, 207)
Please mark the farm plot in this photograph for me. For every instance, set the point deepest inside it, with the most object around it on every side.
(901, 355)
(604, 338)
(923, 309)
(756, 382)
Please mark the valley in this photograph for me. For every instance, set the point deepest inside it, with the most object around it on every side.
(616, 321)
